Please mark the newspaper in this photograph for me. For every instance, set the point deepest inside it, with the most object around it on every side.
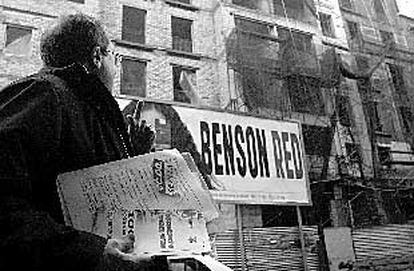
(155, 196)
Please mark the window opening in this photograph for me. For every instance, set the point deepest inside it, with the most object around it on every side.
(407, 118)
(184, 83)
(133, 77)
(133, 24)
(346, 4)
(326, 25)
(18, 40)
(181, 34)
(397, 78)
(379, 10)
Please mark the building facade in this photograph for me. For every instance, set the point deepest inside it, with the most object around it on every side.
(266, 58)
(379, 32)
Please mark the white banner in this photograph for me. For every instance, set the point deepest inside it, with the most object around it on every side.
(259, 161)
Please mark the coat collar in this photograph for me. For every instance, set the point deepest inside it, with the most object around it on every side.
(90, 89)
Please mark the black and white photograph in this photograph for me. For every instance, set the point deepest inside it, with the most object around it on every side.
(207, 135)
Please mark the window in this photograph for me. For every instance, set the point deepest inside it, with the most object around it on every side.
(298, 41)
(397, 78)
(362, 63)
(78, 1)
(387, 37)
(353, 152)
(184, 1)
(292, 8)
(18, 40)
(346, 4)
(133, 24)
(344, 110)
(326, 24)
(181, 34)
(384, 155)
(184, 82)
(376, 118)
(262, 5)
(133, 77)
(253, 43)
(261, 89)
(353, 29)
(297, 51)
(407, 118)
(315, 138)
(305, 95)
(253, 26)
(379, 10)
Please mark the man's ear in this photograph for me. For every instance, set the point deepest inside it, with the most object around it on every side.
(97, 57)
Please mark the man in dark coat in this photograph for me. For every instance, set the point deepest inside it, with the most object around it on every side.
(61, 119)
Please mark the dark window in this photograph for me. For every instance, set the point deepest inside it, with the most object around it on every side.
(297, 51)
(298, 41)
(344, 110)
(262, 5)
(362, 63)
(387, 37)
(407, 119)
(291, 9)
(346, 4)
(353, 152)
(376, 117)
(314, 138)
(305, 95)
(353, 29)
(253, 4)
(184, 1)
(253, 26)
(18, 40)
(133, 24)
(384, 156)
(377, 84)
(78, 1)
(326, 24)
(397, 78)
(252, 44)
(184, 81)
(181, 34)
(133, 77)
(379, 10)
(261, 89)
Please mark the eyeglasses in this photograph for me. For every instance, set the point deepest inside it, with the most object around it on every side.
(117, 56)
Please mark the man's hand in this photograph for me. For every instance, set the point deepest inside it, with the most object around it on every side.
(142, 135)
(124, 248)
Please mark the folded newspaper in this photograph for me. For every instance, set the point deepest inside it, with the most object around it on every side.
(154, 196)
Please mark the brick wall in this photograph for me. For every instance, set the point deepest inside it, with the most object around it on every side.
(38, 15)
(158, 36)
